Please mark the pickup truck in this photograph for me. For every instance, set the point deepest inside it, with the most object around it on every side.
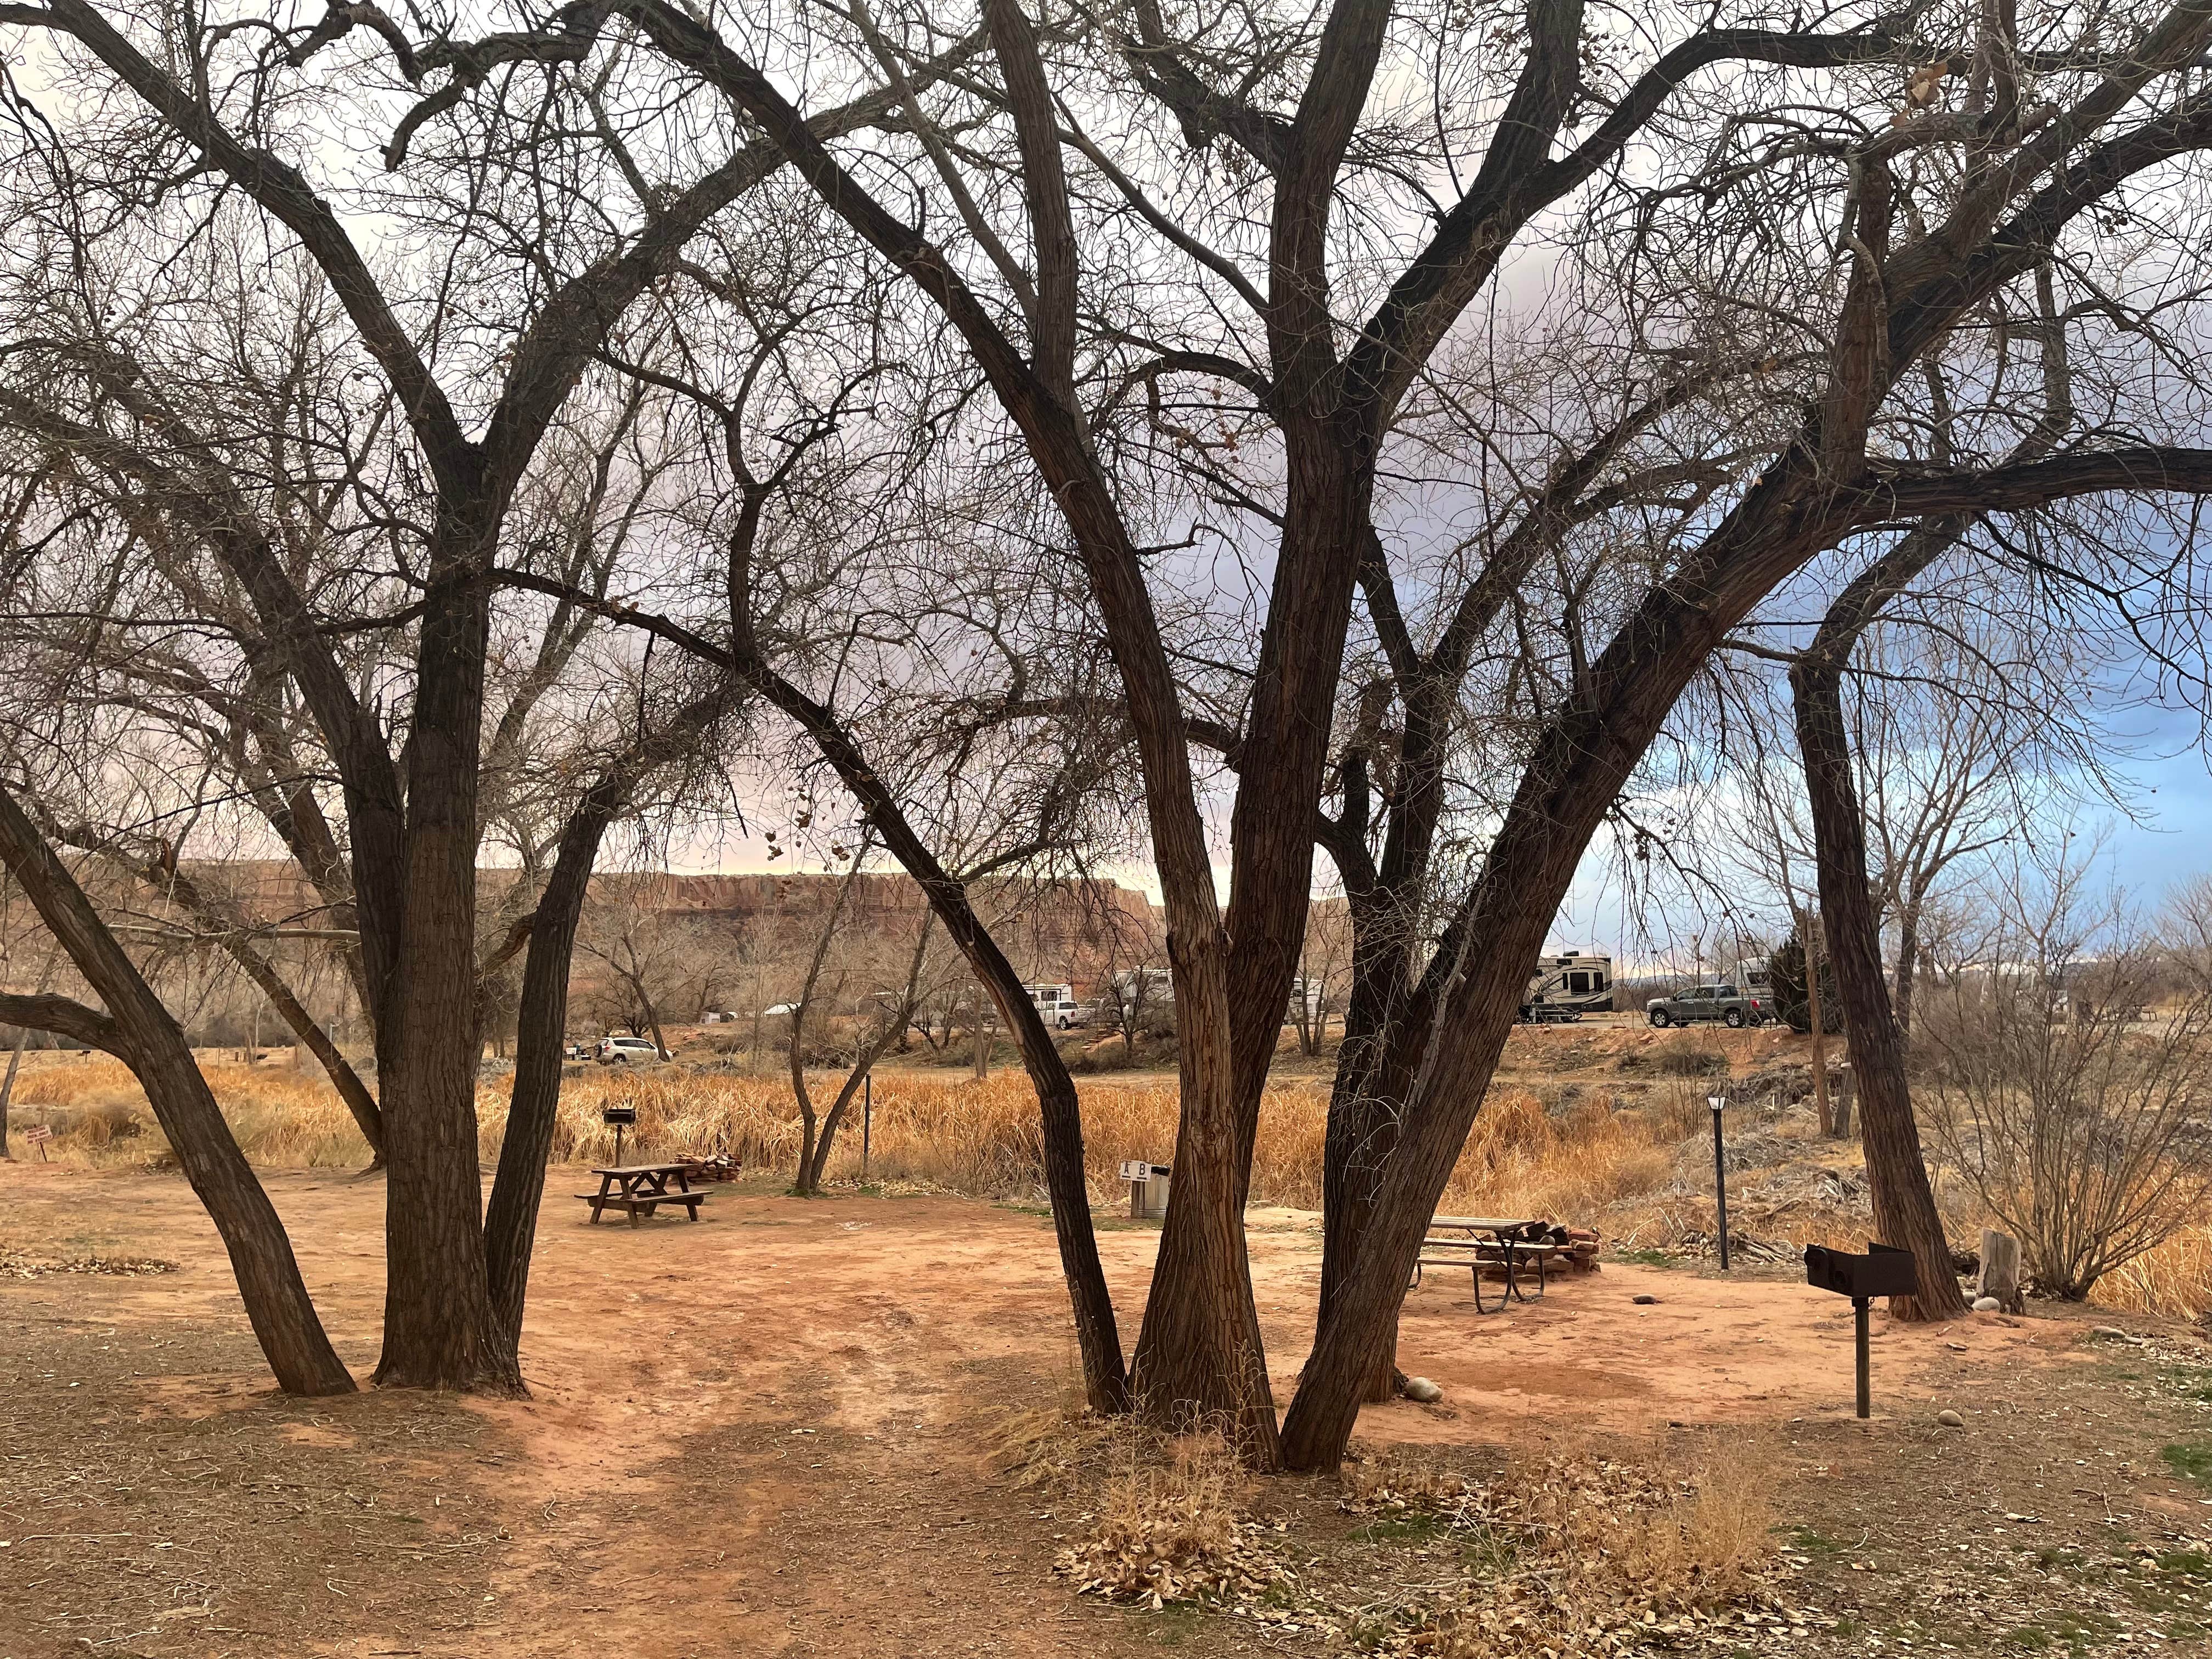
(1724, 1003)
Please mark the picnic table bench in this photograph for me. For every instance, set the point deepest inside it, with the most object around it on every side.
(633, 1188)
(1477, 1242)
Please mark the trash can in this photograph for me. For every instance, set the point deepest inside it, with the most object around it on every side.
(1148, 1188)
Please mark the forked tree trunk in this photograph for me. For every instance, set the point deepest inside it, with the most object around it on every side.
(1905, 1211)
(141, 1032)
(1200, 1362)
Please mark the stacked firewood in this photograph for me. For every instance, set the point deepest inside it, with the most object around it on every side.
(720, 1166)
(1582, 1247)
(1576, 1247)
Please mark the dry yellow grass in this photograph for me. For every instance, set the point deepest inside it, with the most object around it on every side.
(1591, 1164)
(939, 1131)
(2174, 1279)
(1170, 1526)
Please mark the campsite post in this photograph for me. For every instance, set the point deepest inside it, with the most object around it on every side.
(1719, 1104)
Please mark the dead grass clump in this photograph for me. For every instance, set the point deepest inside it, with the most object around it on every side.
(1597, 1547)
(2172, 1279)
(1171, 1527)
(1401, 1480)
(1045, 1445)
(1576, 1557)
(1522, 1160)
(20, 1264)
(1685, 1054)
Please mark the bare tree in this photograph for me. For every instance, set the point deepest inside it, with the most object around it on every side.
(881, 1012)
(2069, 1092)
(1773, 301)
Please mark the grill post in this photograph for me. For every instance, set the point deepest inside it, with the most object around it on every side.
(1859, 1306)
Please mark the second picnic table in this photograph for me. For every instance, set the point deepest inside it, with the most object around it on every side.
(635, 1187)
(1510, 1241)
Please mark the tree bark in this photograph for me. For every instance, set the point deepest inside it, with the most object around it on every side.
(7, 1085)
(1824, 1105)
(1908, 949)
(1905, 1211)
(439, 1329)
(541, 1031)
(542, 1016)
(141, 1032)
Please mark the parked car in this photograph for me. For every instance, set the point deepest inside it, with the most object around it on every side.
(1056, 1005)
(621, 1051)
(1725, 1003)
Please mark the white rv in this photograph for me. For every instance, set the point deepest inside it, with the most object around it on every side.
(1569, 986)
(1056, 1005)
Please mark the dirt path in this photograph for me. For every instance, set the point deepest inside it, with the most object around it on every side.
(761, 1434)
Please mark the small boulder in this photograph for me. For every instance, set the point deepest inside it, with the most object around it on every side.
(1987, 1304)
(1646, 1300)
(1950, 1419)
(1422, 1391)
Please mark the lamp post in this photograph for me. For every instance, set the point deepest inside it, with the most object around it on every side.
(1719, 1104)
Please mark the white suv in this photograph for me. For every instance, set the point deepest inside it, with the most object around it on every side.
(620, 1050)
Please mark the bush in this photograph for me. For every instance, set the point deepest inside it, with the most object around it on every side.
(1793, 998)
(2076, 1117)
(1686, 1055)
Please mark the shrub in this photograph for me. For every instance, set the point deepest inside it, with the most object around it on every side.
(2076, 1116)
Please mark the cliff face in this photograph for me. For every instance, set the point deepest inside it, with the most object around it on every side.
(1078, 932)
(1073, 931)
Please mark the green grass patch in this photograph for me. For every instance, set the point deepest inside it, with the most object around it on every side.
(1806, 1541)
(2191, 1459)
(2188, 1382)
(1418, 1528)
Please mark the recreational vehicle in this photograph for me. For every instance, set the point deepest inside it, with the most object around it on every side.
(1056, 1005)
(1569, 986)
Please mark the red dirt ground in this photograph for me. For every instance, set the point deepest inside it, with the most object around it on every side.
(761, 1434)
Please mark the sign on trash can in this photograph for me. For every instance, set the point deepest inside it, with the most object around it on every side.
(1148, 1188)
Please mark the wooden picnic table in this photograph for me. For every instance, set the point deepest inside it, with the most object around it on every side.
(1511, 1242)
(635, 1187)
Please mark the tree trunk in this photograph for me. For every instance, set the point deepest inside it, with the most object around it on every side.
(1200, 1361)
(542, 1026)
(140, 1030)
(1823, 1105)
(8, 1085)
(439, 1329)
(652, 1015)
(1905, 1211)
(1908, 949)
(1362, 1124)
(796, 1059)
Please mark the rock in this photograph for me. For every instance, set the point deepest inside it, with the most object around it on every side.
(1646, 1300)
(1950, 1419)
(1987, 1304)
(1420, 1389)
